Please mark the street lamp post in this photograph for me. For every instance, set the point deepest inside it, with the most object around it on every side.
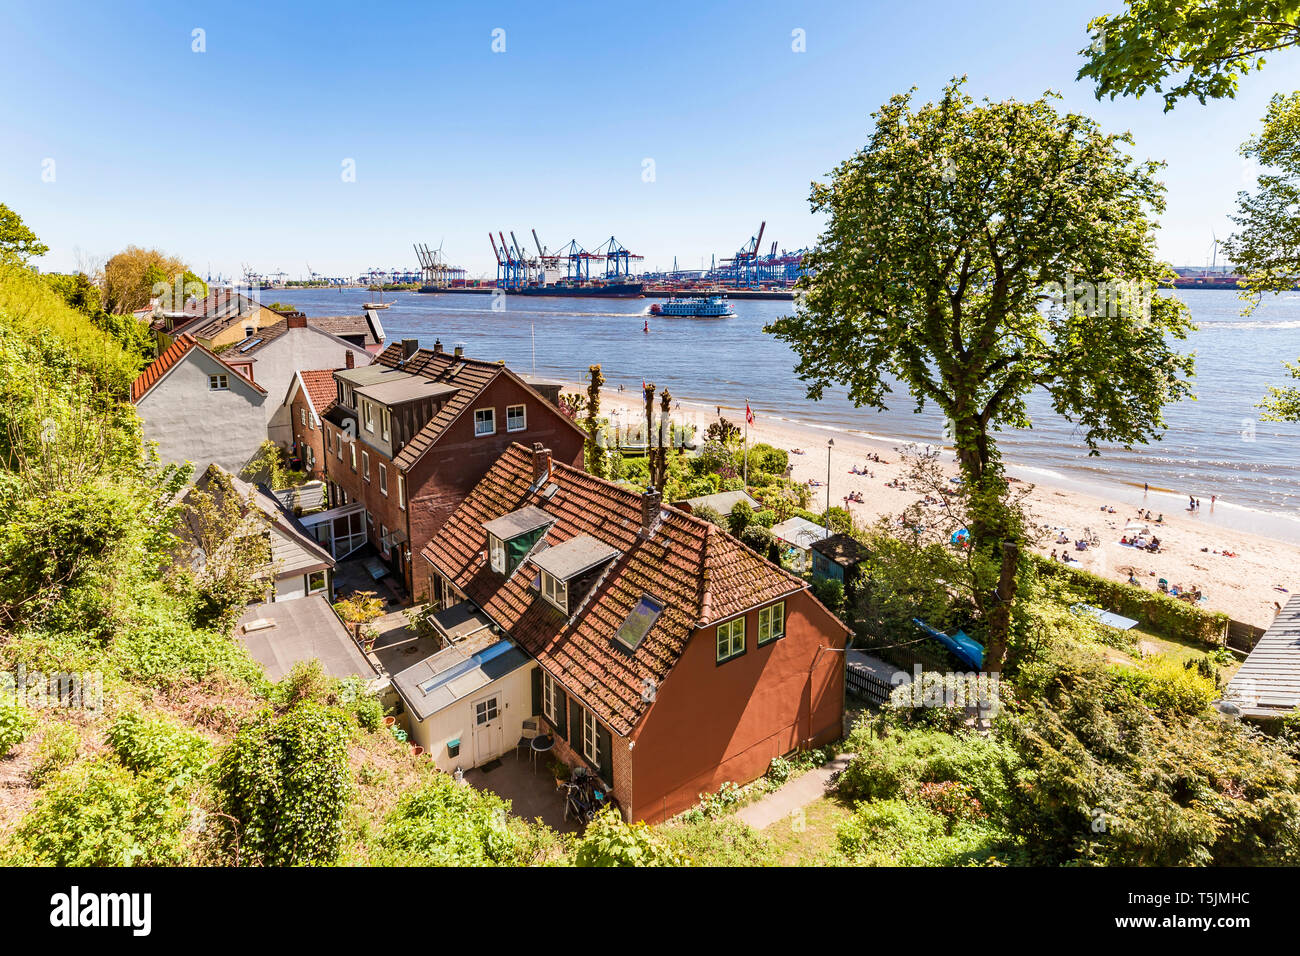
(830, 444)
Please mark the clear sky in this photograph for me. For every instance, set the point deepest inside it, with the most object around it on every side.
(236, 155)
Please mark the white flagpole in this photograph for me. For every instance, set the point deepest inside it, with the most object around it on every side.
(746, 465)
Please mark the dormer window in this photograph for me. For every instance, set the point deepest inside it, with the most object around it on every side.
(570, 568)
(511, 537)
(555, 591)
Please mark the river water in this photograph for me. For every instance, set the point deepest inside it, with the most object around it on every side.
(1213, 446)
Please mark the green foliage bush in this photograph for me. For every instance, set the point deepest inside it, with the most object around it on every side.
(16, 722)
(718, 842)
(157, 745)
(1167, 615)
(902, 833)
(56, 751)
(100, 814)
(1167, 687)
(608, 841)
(447, 824)
(283, 783)
(739, 517)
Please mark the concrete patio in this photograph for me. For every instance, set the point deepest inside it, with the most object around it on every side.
(531, 791)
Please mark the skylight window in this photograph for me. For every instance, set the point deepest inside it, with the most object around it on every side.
(248, 345)
(639, 621)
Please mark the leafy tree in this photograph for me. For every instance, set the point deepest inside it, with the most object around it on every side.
(130, 278)
(977, 253)
(17, 242)
(1180, 49)
(739, 517)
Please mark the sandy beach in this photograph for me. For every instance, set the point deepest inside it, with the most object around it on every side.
(1241, 583)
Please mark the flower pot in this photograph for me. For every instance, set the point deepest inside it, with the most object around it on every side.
(389, 721)
(416, 751)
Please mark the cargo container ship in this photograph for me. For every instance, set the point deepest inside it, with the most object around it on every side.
(606, 290)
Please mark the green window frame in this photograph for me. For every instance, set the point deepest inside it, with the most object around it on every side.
(731, 639)
(771, 623)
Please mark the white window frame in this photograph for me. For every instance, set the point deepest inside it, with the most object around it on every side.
(383, 479)
(555, 591)
(325, 582)
(523, 415)
(726, 631)
(219, 382)
(352, 451)
(338, 445)
(368, 415)
(302, 416)
(771, 620)
(590, 728)
(480, 433)
(401, 491)
(549, 701)
(365, 464)
(386, 423)
(496, 554)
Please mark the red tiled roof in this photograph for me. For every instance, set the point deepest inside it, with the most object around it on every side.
(471, 376)
(180, 347)
(320, 387)
(700, 573)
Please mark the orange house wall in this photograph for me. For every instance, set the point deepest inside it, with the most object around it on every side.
(717, 722)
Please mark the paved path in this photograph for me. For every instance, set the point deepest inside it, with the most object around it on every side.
(799, 792)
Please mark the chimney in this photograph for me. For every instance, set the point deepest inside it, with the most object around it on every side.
(349, 360)
(437, 346)
(541, 463)
(409, 347)
(460, 351)
(295, 321)
(650, 501)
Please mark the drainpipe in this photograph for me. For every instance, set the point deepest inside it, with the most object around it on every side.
(844, 682)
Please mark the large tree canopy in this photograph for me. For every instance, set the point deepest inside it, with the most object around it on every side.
(1181, 48)
(975, 253)
(17, 242)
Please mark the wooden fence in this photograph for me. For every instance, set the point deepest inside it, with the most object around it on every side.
(1243, 637)
(867, 685)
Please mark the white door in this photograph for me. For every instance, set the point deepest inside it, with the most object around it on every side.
(488, 728)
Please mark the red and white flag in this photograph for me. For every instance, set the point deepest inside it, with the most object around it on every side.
(749, 414)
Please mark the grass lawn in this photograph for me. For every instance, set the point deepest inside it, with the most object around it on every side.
(810, 840)
(1179, 650)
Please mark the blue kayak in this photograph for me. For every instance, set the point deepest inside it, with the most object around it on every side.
(967, 649)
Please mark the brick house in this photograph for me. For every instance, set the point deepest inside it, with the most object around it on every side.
(669, 657)
(311, 394)
(410, 435)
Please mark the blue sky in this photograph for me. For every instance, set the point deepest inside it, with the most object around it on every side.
(235, 155)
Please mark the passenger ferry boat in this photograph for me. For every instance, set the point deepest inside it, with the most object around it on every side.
(695, 307)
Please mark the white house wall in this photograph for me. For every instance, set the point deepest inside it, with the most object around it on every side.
(515, 696)
(296, 350)
(190, 422)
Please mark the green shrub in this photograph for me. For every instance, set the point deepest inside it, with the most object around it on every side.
(156, 745)
(757, 538)
(608, 841)
(447, 824)
(739, 517)
(16, 722)
(283, 786)
(56, 751)
(900, 833)
(720, 842)
(1167, 687)
(100, 814)
(765, 518)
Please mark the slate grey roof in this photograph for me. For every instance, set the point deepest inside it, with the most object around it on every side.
(570, 558)
(799, 532)
(723, 501)
(456, 672)
(407, 388)
(1268, 683)
(518, 522)
(305, 628)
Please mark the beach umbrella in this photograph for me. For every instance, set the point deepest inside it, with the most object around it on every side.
(960, 537)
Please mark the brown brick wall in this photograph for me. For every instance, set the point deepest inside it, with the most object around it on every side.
(308, 436)
(442, 479)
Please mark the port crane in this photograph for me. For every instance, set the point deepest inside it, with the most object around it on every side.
(618, 258)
